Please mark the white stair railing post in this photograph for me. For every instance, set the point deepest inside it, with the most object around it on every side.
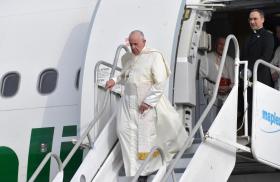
(43, 163)
(86, 133)
(212, 101)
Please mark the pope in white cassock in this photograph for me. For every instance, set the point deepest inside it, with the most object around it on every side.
(146, 118)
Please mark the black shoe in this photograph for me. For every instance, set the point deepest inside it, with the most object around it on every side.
(143, 179)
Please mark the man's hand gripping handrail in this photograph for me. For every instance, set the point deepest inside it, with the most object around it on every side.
(86, 133)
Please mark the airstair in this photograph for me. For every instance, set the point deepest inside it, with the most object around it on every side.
(216, 156)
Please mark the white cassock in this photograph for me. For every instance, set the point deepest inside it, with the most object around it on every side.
(143, 77)
(209, 71)
(212, 72)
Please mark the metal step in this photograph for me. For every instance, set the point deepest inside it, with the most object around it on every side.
(125, 178)
(247, 169)
(177, 177)
(179, 168)
(150, 178)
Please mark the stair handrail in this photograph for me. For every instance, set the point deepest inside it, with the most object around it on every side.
(256, 65)
(117, 55)
(210, 104)
(255, 70)
(92, 123)
(255, 79)
(43, 163)
(142, 167)
(245, 100)
(101, 62)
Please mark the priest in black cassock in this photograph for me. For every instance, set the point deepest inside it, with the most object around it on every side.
(259, 45)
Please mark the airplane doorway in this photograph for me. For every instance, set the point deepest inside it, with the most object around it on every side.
(231, 20)
(235, 21)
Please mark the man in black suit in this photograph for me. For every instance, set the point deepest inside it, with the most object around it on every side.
(259, 45)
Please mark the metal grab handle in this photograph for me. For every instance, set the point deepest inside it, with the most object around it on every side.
(74, 149)
(117, 55)
(106, 64)
(140, 170)
(43, 163)
(245, 102)
(209, 106)
(95, 80)
(256, 66)
(92, 123)
(86, 133)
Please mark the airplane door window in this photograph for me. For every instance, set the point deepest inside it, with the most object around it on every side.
(77, 79)
(10, 84)
(47, 81)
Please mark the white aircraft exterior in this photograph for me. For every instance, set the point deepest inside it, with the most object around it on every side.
(52, 82)
(40, 39)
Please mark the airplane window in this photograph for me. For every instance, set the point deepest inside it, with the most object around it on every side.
(10, 84)
(47, 81)
(78, 79)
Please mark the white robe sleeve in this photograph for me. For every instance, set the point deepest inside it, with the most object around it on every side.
(159, 75)
(203, 67)
(119, 79)
(212, 68)
(229, 64)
